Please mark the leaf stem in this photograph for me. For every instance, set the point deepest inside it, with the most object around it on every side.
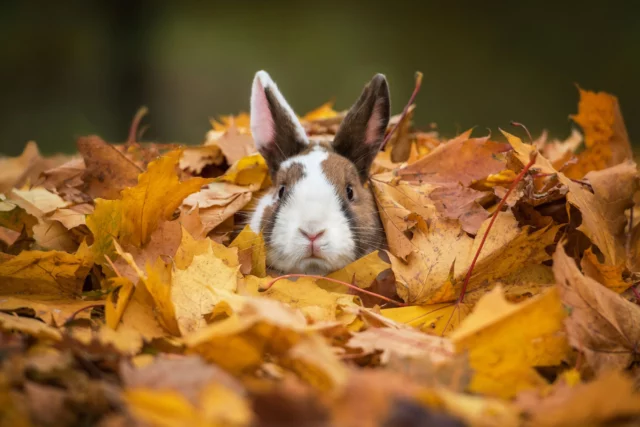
(135, 124)
(349, 285)
(416, 89)
(523, 127)
(515, 182)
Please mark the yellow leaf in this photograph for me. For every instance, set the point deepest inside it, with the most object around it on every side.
(304, 294)
(28, 326)
(505, 341)
(156, 197)
(474, 410)
(194, 289)
(250, 171)
(163, 408)
(507, 250)
(41, 198)
(325, 111)
(124, 340)
(242, 120)
(104, 223)
(605, 134)
(117, 300)
(51, 273)
(133, 218)
(141, 314)
(51, 309)
(158, 283)
(316, 363)
(609, 275)
(432, 319)
(362, 272)
(239, 343)
(16, 218)
(223, 406)
(523, 153)
(251, 250)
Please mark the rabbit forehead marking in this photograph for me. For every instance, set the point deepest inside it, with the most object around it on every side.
(312, 204)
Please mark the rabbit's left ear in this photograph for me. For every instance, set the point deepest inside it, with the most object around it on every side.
(362, 130)
(276, 130)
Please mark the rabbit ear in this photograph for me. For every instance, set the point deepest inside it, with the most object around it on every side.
(362, 130)
(275, 128)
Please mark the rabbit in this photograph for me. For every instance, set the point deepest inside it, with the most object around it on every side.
(320, 214)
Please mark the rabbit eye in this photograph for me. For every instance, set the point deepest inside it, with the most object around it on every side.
(281, 192)
(350, 192)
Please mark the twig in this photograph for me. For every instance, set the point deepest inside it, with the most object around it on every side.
(627, 244)
(493, 218)
(135, 123)
(112, 265)
(406, 109)
(349, 285)
(523, 127)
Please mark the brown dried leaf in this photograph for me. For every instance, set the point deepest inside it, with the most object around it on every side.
(460, 160)
(602, 324)
(108, 171)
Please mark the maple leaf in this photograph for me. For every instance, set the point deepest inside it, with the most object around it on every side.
(108, 170)
(234, 143)
(362, 272)
(506, 341)
(133, 218)
(602, 324)
(195, 159)
(251, 252)
(608, 399)
(26, 168)
(250, 171)
(462, 159)
(238, 343)
(507, 250)
(605, 134)
(28, 326)
(434, 319)
(51, 309)
(216, 203)
(303, 293)
(52, 273)
(603, 218)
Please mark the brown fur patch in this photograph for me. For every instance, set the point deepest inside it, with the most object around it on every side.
(287, 177)
(368, 233)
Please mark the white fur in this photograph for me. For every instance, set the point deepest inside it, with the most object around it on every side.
(312, 205)
(262, 125)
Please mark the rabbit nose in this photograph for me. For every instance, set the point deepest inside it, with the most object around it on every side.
(311, 236)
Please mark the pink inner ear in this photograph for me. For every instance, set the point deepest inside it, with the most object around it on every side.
(372, 135)
(262, 125)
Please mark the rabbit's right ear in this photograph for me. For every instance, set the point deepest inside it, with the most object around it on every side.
(276, 130)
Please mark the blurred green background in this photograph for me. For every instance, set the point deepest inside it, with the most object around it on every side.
(77, 67)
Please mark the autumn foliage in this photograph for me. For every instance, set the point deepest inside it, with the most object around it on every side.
(131, 293)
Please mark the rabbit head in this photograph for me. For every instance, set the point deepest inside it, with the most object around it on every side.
(320, 214)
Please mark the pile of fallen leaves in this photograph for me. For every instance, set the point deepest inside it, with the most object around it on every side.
(131, 293)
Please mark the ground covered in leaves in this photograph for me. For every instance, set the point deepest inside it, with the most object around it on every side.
(132, 294)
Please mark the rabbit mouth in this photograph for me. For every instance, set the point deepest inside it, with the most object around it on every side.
(314, 265)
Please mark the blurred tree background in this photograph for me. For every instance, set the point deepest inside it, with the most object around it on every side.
(78, 67)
